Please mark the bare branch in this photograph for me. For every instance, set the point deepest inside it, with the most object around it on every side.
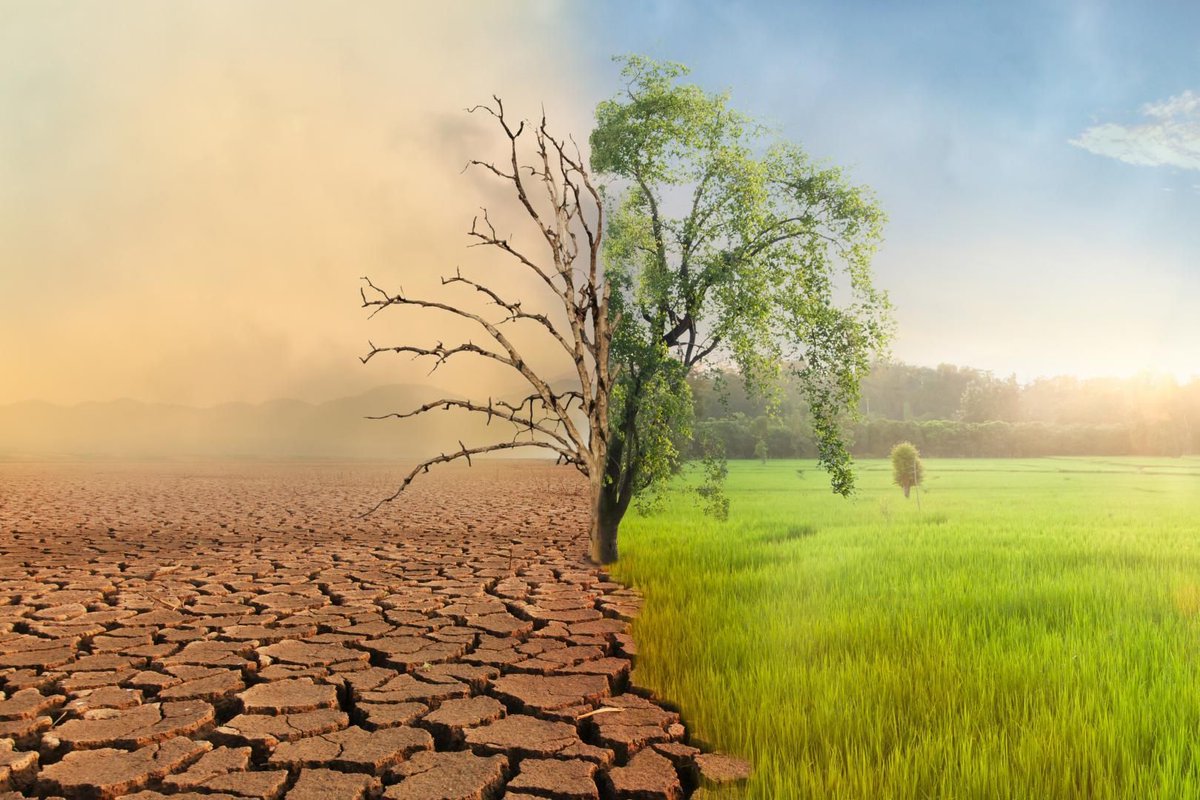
(439, 351)
(567, 397)
(492, 168)
(514, 358)
(546, 418)
(465, 453)
(505, 412)
(514, 309)
(490, 238)
(704, 351)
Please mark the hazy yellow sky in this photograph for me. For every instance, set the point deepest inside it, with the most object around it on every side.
(189, 191)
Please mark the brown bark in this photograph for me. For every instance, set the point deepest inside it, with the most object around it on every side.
(606, 518)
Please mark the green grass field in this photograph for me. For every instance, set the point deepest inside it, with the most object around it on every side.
(1032, 632)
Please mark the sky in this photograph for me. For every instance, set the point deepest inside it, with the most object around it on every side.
(190, 192)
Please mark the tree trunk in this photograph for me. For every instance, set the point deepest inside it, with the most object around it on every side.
(606, 518)
(906, 489)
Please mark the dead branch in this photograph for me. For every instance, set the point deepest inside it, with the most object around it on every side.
(514, 309)
(569, 217)
(494, 408)
(464, 453)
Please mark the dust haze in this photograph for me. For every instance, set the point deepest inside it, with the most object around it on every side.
(189, 192)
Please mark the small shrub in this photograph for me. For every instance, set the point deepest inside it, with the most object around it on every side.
(907, 470)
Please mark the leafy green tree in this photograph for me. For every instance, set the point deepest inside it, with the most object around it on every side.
(720, 242)
(907, 469)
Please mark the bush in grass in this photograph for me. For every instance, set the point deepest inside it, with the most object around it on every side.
(907, 470)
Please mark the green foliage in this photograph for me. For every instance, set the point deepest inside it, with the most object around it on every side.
(660, 401)
(1038, 642)
(907, 469)
(715, 470)
(721, 241)
(760, 450)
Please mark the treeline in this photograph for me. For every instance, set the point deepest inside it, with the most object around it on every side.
(953, 411)
(874, 438)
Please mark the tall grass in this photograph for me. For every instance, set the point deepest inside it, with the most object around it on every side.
(1034, 632)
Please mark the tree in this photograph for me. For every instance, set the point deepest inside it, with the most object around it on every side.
(907, 469)
(761, 428)
(569, 217)
(749, 270)
(720, 243)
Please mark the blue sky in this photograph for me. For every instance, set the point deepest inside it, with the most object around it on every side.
(1009, 247)
(190, 191)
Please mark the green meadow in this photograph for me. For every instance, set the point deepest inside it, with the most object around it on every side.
(1032, 630)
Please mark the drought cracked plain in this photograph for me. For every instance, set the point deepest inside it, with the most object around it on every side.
(233, 630)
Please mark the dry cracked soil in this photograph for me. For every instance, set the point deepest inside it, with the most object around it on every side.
(234, 630)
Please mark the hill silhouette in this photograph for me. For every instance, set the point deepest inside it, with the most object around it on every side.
(275, 429)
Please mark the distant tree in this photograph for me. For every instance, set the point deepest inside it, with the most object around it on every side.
(761, 450)
(907, 469)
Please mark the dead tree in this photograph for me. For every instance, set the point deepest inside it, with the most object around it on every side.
(570, 221)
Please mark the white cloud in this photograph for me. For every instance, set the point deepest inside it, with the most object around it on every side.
(1181, 105)
(1169, 135)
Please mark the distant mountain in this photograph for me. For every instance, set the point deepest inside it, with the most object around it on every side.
(276, 429)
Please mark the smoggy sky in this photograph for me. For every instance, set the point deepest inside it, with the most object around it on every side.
(189, 191)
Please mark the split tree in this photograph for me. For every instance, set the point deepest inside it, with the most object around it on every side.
(716, 243)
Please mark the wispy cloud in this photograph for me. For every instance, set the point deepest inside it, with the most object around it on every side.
(1168, 135)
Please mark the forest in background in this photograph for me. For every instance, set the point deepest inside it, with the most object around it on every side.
(945, 411)
(953, 411)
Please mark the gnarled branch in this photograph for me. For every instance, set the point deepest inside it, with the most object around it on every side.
(465, 453)
(494, 408)
(546, 418)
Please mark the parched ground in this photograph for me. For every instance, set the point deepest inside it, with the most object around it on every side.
(234, 631)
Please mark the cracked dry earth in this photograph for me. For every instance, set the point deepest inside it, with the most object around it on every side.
(231, 630)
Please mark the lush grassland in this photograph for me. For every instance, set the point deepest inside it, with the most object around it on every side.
(1032, 632)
